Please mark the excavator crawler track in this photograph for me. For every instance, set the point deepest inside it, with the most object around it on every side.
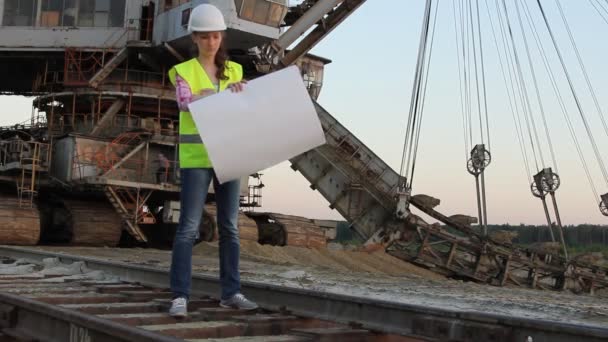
(247, 227)
(93, 223)
(19, 221)
(288, 230)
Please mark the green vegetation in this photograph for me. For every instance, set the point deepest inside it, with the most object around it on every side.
(582, 235)
(584, 238)
(580, 239)
(595, 248)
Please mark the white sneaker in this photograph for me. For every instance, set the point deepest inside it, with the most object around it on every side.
(238, 301)
(179, 307)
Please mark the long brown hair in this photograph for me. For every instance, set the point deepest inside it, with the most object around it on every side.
(221, 57)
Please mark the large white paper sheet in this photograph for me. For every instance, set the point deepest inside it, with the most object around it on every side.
(273, 119)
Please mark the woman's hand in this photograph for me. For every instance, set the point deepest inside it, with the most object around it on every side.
(202, 93)
(237, 87)
(206, 92)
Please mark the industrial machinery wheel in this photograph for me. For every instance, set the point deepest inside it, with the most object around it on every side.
(80, 222)
(19, 222)
(604, 208)
(94, 223)
(272, 233)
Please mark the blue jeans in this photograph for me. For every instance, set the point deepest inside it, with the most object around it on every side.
(195, 185)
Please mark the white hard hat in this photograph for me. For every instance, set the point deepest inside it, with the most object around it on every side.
(206, 18)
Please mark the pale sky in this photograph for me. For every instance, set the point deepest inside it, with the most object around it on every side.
(368, 86)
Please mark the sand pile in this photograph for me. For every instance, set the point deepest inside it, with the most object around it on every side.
(377, 262)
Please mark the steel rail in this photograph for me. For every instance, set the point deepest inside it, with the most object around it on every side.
(30, 320)
(387, 317)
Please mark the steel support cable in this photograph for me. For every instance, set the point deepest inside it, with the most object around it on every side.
(583, 68)
(471, 22)
(415, 108)
(540, 194)
(575, 95)
(601, 3)
(604, 16)
(413, 112)
(467, 68)
(465, 92)
(515, 86)
(480, 186)
(508, 90)
(424, 89)
(528, 112)
(537, 89)
(560, 101)
(599, 12)
(468, 36)
(460, 85)
(515, 82)
(483, 76)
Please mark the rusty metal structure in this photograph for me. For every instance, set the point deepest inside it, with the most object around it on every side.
(95, 152)
(99, 153)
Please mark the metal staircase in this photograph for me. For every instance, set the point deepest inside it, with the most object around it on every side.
(107, 69)
(33, 158)
(115, 154)
(129, 203)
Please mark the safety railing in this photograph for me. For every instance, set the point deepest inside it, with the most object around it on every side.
(26, 127)
(141, 29)
(81, 65)
(24, 152)
(138, 77)
(77, 123)
(119, 76)
(137, 29)
(160, 126)
(85, 122)
(124, 122)
(253, 199)
(46, 81)
(147, 169)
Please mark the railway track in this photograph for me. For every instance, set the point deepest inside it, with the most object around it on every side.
(42, 304)
(129, 303)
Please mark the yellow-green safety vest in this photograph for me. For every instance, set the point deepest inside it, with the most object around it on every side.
(192, 152)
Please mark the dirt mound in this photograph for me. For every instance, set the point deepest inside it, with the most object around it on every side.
(591, 258)
(545, 247)
(377, 262)
(504, 236)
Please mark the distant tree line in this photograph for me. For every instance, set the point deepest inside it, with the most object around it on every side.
(582, 235)
(579, 235)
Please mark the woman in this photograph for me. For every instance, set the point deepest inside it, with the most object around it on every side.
(205, 75)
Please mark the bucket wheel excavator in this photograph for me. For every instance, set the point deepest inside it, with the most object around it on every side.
(101, 163)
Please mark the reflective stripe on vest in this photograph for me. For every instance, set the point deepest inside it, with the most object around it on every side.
(192, 152)
(190, 139)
